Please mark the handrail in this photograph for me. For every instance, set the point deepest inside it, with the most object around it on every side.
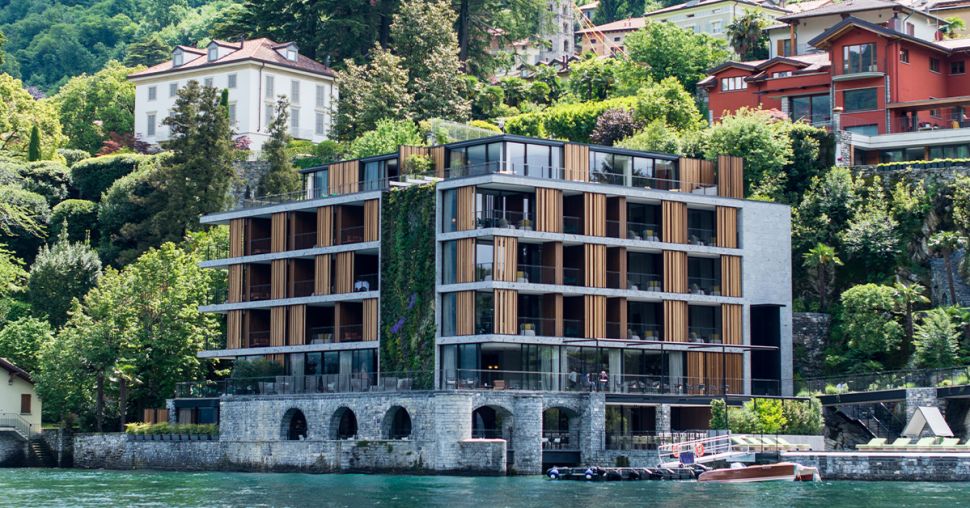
(16, 423)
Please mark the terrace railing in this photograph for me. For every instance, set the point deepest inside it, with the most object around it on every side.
(888, 380)
(308, 384)
(12, 422)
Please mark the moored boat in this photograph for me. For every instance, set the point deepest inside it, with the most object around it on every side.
(782, 471)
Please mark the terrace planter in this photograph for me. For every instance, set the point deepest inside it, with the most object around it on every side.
(183, 437)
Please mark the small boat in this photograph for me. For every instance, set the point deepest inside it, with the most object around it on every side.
(782, 471)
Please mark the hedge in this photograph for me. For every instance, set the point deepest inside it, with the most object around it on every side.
(80, 215)
(574, 122)
(72, 156)
(49, 179)
(91, 177)
(171, 428)
(22, 242)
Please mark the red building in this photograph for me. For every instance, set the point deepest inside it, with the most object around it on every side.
(890, 95)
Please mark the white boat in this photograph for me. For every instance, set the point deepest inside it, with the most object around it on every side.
(782, 471)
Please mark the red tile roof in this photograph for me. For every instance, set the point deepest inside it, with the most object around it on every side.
(259, 50)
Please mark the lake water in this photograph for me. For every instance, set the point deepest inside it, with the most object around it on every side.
(51, 487)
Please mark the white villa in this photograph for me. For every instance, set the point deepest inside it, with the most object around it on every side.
(255, 72)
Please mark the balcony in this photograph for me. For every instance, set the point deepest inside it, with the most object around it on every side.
(320, 335)
(259, 292)
(260, 245)
(483, 272)
(306, 195)
(302, 288)
(643, 281)
(321, 383)
(351, 234)
(642, 231)
(536, 274)
(644, 331)
(537, 326)
(504, 219)
(305, 240)
(704, 286)
(705, 334)
(259, 338)
(701, 236)
(572, 225)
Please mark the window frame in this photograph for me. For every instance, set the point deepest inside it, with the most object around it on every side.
(872, 61)
(935, 65)
(963, 67)
(152, 93)
(874, 91)
(28, 398)
(231, 81)
(151, 119)
(904, 55)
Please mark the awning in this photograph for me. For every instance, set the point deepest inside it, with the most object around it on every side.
(927, 416)
(963, 100)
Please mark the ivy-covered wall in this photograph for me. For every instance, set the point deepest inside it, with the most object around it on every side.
(407, 281)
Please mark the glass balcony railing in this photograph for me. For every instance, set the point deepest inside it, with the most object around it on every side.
(704, 286)
(537, 326)
(318, 383)
(572, 225)
(260, 245)
(320, 335)
(643, 231)
(483, 272)
(259, 292)
(572, 328)
(505, 219)
(643, 281)
(536, 274)
(705, 334)
(700, 236)
(352, 234)
(644, 331)
(306, 240)
(259, 338)
(302, 288)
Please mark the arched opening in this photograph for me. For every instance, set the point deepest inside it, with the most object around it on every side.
(492, 422)
(560, 429)
(293, 426)
(397, 423)
(343, 425)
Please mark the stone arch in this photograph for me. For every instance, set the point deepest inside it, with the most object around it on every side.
(293, 426)
(560, 428)
(343, 424)
(492, 421)
(396, 423)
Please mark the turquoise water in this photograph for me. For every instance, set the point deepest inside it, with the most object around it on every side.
(46, 487)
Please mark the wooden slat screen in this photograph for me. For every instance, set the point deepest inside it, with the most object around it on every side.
(370, 308)
(438, 160)
(465, 266)
(405, 152)
(690, 173)
(324, 226)
(278, 234)
(731, 323)
(675, 321)
(321, 275)
(465, 313)
(707, 373)
(506, 312)
(594, 316)
(708, 173)
(466, 208)
(246, 319)
(297, 331)
(674, 271)
(552, 256)
(576, 162)
(277, 326)
(727, 227)
(730, 176)
(344, 273)
(338, 313)
(731, 276)
(505, 259)
(372, 217)
(616, 207)
(552, 309)
(237, 238)
(235, 276)
(594, 214)
(674, 218)
(594, 265)
(344, 177)
(234, 329)
(548, 210)
(278, 279)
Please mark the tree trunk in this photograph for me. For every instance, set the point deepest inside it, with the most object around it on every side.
(99, 404)
(820, 287)
(122, 402)
(463, 28)
(949, 278)
(909, 328)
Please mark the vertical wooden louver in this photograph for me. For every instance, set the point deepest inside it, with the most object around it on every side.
(372, 220)
(552, 257)
(552, 309)
(594, 265)
(438, 160)
(730, 176)
(297, 331)
(505, 259)
(731, 276)
(237, 238)
(506, 312)
(344, 177)
(674, 271)
(675, 321)
(594, 316)
(277, 326)
(278, 279)
(576, 162)
(321, 275)
(370, 308)
(235, 276)
(727, 227)
(344, 273)
(465, 313)
(548, 210)
(731, 323)
(594, 214)
(405, 152)
(234, 331)
(278, 234)
(709, 373)
(674, 217)
(465, 264)
(324, 226)
(695, 173)
(465, 213)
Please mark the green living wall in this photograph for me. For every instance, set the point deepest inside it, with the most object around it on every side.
(407, 282)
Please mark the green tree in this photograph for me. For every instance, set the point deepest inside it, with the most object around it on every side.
(13, 277)
(282, 177)
(747, 35)
(908, 296)
(869, 238)
(820, 263)
(197, 178)
(385, 138)
(954, 25)
(945, 243)
(657, 136)
(757, 136)
(147, 52)
(961, 202)
(370, 93)
(825, 209)
(21, 113)
(24, 230)
(33, 147)
(669, 101)
(479, 21)
(593, 79)
(62, 272)
(21, 341)
(515, 90)
(937, 340)
(612, 126)
(127, 210)
(92, 106)
(670, 51)
(78, 218)
(869, 324)
(613, 10)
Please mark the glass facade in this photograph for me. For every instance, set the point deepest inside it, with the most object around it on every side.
(629, 170)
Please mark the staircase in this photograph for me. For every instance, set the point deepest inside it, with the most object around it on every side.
(39, 454)
(714, 449)
(11, 422)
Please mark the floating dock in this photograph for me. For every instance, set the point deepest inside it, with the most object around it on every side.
(617, 474)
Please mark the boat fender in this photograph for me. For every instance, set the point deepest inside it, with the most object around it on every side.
(554, 474)
(588, 474)
(634, 475)
(699, 450)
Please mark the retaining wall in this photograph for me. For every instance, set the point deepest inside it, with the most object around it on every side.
(888, 467)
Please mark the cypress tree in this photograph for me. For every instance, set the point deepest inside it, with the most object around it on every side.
(33, 149)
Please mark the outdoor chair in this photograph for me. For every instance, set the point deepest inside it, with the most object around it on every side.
(873, 444)
(946, 444)
(899, 444)
(924, 443)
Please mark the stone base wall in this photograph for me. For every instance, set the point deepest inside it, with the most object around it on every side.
(940, 284)
(852, 466)
(484, 456)
(810, 333)
(13, 450)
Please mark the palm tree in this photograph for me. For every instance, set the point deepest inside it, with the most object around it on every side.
(748, 37)
(945, 243)
(908, 296)
(820, 262)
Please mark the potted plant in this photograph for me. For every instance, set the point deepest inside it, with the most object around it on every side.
(417, 167)
(525, 224)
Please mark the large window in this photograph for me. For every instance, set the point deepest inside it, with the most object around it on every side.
(859, 58)
(811, 108)
(449, 205)
(860, 100)
(373, 174)
(619, 169)
(732, 84)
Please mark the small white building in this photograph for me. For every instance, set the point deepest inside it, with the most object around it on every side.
(255, 72)
(19, 405)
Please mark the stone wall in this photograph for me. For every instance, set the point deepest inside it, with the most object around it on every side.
(60, 442)
(856, 466)
(248, 174)
(940, 285)
(484, 456)
(13, 450)
(810, 332)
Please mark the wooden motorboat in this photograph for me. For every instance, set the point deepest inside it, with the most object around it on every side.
(782, 471)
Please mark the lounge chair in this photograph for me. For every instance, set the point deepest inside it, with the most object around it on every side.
(899, 444)
(924, 444)
(794, 447)
(946, 444)
(873, 444)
